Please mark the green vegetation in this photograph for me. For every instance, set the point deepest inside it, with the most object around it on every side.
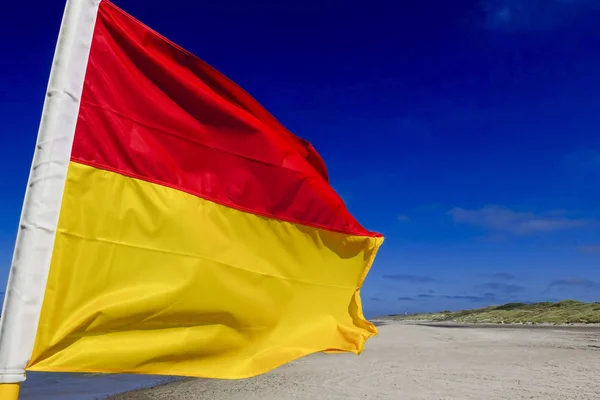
(563, 312)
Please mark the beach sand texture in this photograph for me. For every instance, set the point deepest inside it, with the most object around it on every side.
(407, 361)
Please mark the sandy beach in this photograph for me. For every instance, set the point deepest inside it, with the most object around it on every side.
(412, 361)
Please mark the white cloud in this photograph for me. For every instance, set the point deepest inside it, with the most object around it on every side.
(501, 219)
(586, 284)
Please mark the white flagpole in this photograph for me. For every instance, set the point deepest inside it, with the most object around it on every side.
(43, 196)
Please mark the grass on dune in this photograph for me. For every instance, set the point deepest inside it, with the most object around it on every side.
(563, 312)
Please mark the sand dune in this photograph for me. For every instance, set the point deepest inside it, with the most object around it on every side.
(409, 361)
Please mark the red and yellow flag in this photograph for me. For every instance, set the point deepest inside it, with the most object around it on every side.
(192, 235)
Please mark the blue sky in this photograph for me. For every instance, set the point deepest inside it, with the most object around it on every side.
(467, 132)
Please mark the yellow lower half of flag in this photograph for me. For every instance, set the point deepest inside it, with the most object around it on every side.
(148, 279)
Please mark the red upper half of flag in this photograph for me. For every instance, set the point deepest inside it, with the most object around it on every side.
(153, 111)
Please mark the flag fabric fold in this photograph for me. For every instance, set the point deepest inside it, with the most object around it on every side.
(196, 236)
